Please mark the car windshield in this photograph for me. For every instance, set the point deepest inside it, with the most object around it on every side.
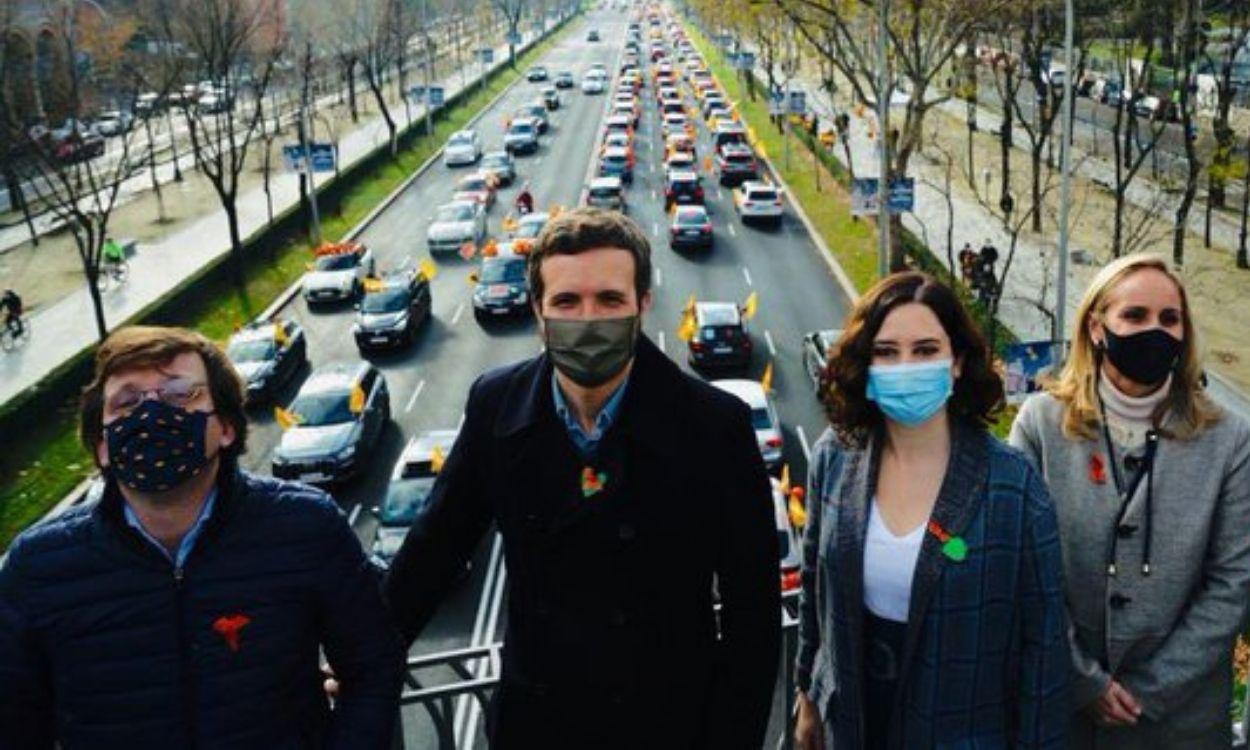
(529, 229)
(403, 499)
(462, 139)
(453, 214)
(322, 408)
(385, 301)
(760, 419)
(252, 350)
(503, 271)
(522, 128)
(604, 192)
(614, 159)
(720, 332)
(738, 158)
(496, 162)
(337, 262)
(691, 218)
(762, 195)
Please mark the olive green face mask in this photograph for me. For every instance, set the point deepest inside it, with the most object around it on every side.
(591, 352)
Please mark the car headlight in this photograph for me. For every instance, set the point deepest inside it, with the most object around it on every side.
(522, 297)
(356, 329)
(400, 322)
(345, 454)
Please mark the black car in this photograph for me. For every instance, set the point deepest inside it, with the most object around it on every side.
(268, 356)
(536, 74)
(391, 311)
(691, 228)
(334, 423)
(593, 35)
(735, 164)
(720, 338)
(564, 80)
(501, 165)
(501, 285)
(536, 111)
(551, 98)
(683, 189)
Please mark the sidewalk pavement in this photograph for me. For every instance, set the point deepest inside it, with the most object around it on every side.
(62, 330)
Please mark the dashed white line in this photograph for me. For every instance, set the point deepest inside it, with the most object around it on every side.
(662, 342)
(659, 277)
(655, 228)
(807, 453)
(654, 195)
(768, 339)
(746, 274)
(732, 232)
(412, 401)
(351, 519)
(461, 422)
(455, 317)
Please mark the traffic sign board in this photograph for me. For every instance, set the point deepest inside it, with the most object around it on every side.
(798, 103)
(437, 96)
(323, 157)
(486, 55)
(902, 198)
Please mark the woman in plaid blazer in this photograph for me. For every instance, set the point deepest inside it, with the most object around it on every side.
(931, 613)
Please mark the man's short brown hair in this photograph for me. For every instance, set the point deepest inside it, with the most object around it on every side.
(144, 347)
(582, 229)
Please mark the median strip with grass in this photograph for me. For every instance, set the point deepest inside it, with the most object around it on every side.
(46, 462)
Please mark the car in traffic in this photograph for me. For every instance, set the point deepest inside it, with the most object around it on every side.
(478, 187)
(594, 83)
(215, 103)
(268, 355)
(817, 346)
(606, 192)
(789, 543)
(521, 136)
(501, 165)
(338, 272)
(682, 188)
(529, 225)
(729, 132)
(735, 164)
(536, 111)
(679, 142)
(764, 419)
(691, 228)
(674, 122)
(618, 124)
(392, 310)
(334, 424)
(536, 74)
(114, 122)
(463, 148)
(551, 98)
(148, 103)
(720, 337)
(564, 80)
(456, 224)
(617, 139)
(592, 35)
(759, 202)
(617, 162)
(679, 161)
(501, 286)
(411, 481)
(626, 109)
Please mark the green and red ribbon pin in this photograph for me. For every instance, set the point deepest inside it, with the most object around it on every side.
(593, 482)
(953, 546)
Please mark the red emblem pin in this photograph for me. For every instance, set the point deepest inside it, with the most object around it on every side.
(230, 628)
(1097, 469)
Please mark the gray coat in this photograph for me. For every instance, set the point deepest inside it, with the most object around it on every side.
(1167, 636)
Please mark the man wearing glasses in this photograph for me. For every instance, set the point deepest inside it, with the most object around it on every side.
(188, 606)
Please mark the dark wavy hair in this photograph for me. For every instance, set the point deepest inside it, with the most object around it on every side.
(978, 392)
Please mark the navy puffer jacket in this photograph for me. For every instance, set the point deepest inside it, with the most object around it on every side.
(104, 644)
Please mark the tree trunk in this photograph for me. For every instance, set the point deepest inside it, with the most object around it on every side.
(97, 302)
(1035, 158)
(1242, 260)
(351, 90)
(156, 183)
(228, 204)
(1004, 147)
(18, 198)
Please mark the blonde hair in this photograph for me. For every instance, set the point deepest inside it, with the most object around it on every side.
(1190, 409)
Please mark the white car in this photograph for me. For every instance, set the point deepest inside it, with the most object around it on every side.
(758, 201)
(456, 224)
(674, 122)
(114, 123)
(338, 273)
(463, 148)
(763, 417)
(594, 84)
(411, 482)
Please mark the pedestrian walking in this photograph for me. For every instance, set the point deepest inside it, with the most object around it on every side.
(1151, 483)
(930, 611)
(189, 605)
(626, 492)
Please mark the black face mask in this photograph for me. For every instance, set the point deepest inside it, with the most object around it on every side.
(1145, 357)
(157, 446)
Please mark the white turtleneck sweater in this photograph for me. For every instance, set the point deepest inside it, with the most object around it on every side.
(1129, 417)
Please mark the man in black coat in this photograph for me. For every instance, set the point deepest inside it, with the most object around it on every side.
(627, 493)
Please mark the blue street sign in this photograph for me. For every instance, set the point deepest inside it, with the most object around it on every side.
(323, 156)
(513, 38)
(437, 96)
(745, 60)
(902, 198)
(798, 103)
(486, 55)
(776, 103)
(416, 93)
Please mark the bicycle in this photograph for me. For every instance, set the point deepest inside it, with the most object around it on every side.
(10, 340)
(113, 274)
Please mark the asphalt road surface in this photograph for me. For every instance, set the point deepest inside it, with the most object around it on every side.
(429, 381)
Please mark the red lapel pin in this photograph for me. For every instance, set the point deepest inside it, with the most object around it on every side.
(1097, 469)
(230, 628)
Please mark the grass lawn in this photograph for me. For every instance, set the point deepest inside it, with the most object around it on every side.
(48, 462)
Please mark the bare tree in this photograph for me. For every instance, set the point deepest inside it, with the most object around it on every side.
(236, 44)
(922, 38)
(945, 161)
(1191, 47)
(1221, 58)
(11, 126)
(69, 172)
(370, 19)
(512, 11)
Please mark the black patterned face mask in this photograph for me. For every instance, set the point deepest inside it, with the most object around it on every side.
(157, 447)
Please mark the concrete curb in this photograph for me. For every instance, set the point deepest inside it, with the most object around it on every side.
(290, 292)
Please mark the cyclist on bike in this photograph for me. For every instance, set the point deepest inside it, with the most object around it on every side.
(12, 306)
(112, 254)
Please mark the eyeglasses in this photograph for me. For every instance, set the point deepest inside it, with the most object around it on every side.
(177, 392)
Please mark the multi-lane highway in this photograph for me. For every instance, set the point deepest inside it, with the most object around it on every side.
(429, 381)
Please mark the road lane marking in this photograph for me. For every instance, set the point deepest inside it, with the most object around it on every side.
(455, 317)
(807, 453)
(654, 195)
(768, 338)
(351, 519)
(662, 342)
(655, 228)
(732, 232)
(412, 401)
(461, 422)
(746, 274)
(659, 277)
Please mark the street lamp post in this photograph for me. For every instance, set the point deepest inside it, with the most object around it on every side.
(1065, 188)
(306, 142)
(883, 118)
(429, 66)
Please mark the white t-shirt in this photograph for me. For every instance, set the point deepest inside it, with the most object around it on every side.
(889, 564)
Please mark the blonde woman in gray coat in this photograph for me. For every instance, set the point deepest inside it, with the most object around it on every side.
(1151, 483)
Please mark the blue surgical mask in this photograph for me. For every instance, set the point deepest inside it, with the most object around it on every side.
(912, 393)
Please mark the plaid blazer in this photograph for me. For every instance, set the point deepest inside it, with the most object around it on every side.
(986, 661)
